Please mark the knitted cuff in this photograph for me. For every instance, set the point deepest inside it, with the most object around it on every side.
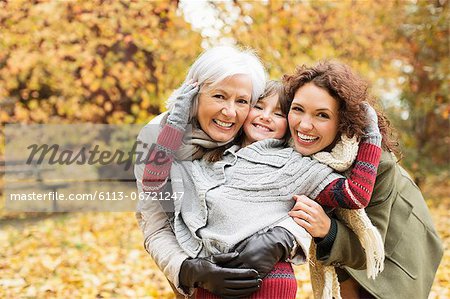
(373, 138)
(369, 153)
(177, 125)
(171, 137)
(325, 244)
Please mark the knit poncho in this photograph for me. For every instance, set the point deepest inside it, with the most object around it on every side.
(251, 189)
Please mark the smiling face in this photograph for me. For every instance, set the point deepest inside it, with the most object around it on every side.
(222, 108)
(265, 120)
(313, 119)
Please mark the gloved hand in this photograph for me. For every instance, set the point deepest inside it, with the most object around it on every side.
(179, 115)
(225, 282)
(372, 131)
(263, 250)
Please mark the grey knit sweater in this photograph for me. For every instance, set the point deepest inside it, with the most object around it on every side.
(255, 183)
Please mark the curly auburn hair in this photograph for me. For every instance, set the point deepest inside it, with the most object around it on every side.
(349, 90)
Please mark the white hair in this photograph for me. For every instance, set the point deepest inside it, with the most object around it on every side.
(219, 63)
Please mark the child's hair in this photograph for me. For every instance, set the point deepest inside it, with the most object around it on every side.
(274, 87)
(349, 90)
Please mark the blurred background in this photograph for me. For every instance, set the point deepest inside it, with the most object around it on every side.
(116, 62)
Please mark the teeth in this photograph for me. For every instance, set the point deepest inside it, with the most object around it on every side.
(306, 138)
(262, 128)
(223, 124)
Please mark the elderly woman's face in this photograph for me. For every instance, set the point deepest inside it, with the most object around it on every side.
(313, 119)
(222, 108)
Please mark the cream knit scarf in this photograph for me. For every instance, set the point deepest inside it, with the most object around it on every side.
(323, 278)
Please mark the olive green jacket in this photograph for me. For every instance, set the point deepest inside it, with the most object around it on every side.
(413, 248)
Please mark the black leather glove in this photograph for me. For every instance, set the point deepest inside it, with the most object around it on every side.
(207, 273)
(263, 250)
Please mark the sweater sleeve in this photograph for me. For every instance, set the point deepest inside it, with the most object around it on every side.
(355, 191)
(346, 248)
(159, 238)
(160, 159)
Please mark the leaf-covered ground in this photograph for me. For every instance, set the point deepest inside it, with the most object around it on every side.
(100, 255)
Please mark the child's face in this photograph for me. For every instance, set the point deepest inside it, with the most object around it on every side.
(265, 120)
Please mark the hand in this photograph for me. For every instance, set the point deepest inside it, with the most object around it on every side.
(179, 115)
(311, 216)
(263, 250)
(372, 131)
(208, 273)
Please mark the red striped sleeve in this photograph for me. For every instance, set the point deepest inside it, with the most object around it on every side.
(355, 191)
(160, 159)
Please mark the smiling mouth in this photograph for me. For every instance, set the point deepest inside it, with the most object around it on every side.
(223, 124)
(306, 138)
(263, 128)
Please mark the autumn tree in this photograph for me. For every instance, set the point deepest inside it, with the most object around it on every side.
(91, 61)
(290, 33)
(424, 67)
(401, 47)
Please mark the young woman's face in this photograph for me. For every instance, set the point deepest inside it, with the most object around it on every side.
(265, 120)
(222, 108)
(313, 119)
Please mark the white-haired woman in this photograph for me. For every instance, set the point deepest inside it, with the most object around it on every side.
(227, 81)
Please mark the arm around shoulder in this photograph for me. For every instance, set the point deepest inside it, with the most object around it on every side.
(159, 238)
(346, 248)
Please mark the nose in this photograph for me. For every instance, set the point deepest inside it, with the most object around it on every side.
(305, 124)
(229, 110)
(266, 116)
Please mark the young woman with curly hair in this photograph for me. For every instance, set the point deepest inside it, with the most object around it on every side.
(326, 119)
(350, 91)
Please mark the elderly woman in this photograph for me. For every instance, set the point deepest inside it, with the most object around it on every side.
(229, 80)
